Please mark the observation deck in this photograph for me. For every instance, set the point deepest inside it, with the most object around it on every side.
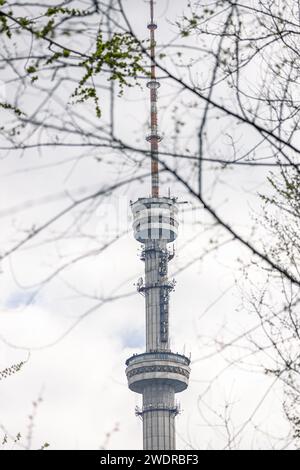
(158, 367)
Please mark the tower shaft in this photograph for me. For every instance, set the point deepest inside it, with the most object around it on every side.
(157, 295)
(159, 413)
(157, 374)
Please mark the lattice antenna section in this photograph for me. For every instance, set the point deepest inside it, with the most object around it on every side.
(154, 138)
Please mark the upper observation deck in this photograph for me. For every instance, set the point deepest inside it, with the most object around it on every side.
(155, 218)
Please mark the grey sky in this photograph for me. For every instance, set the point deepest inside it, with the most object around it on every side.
(81, 378)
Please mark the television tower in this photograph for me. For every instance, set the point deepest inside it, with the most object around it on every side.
(158, 373)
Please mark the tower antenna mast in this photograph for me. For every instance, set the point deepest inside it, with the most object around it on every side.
(154, 138)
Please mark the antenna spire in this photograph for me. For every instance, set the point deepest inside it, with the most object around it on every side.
(153, 85)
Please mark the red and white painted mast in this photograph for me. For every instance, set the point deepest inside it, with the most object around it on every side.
(154, 138)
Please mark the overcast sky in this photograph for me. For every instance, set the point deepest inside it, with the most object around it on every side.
(81, 376)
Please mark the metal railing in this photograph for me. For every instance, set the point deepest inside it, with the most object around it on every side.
(162, 356)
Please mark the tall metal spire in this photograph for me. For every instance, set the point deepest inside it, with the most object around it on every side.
(153, 85)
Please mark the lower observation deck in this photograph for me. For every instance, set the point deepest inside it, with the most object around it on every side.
(158, 367)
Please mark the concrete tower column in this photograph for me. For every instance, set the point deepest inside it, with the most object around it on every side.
(156, 294)
(159, 413)
(157, 374)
